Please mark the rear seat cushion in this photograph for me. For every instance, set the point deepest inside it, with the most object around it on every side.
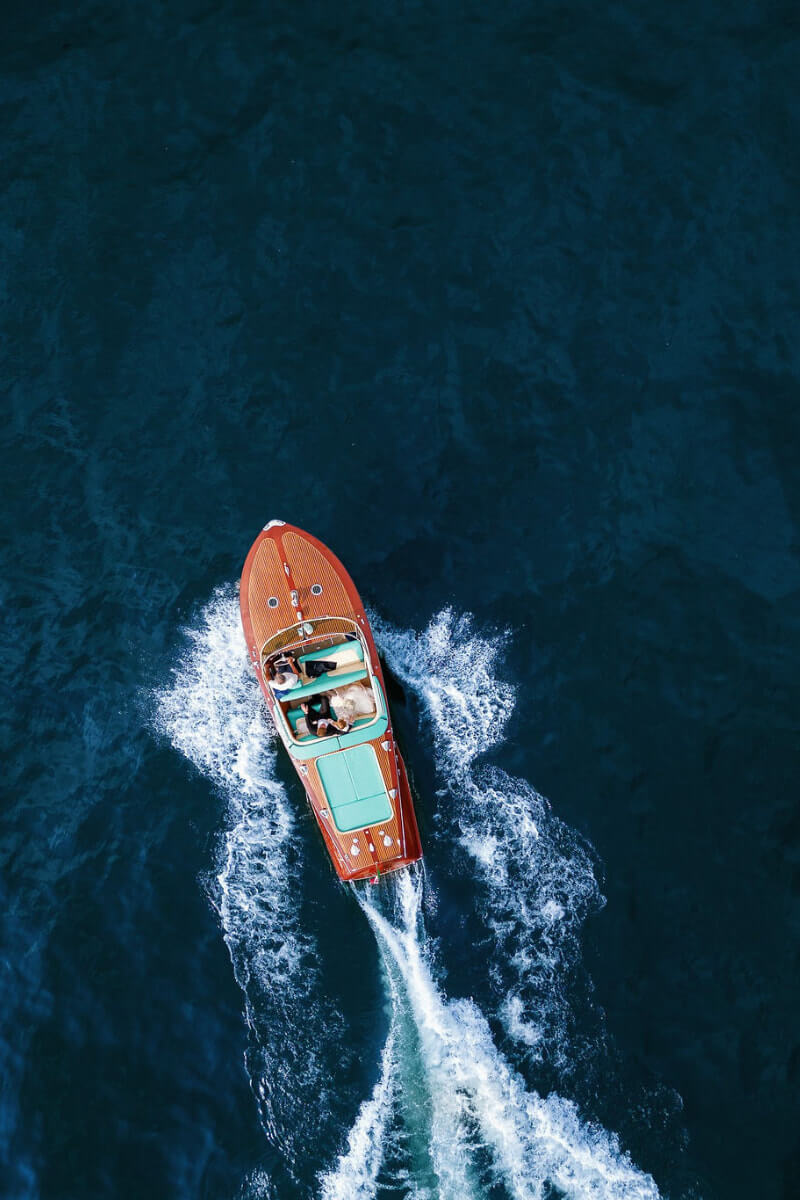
(326, 683)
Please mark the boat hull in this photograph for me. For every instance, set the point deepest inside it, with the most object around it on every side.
(291, 583)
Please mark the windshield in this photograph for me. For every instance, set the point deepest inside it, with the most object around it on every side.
(308, 631)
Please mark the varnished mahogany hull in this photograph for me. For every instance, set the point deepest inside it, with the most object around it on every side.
(275, 593)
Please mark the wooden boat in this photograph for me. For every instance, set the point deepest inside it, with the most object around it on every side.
(299, 604)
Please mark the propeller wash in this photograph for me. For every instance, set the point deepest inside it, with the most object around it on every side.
(449, 1117)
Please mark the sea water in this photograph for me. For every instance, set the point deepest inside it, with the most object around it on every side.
(500, 302)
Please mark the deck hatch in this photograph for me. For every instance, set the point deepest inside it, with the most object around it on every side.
(354, 788)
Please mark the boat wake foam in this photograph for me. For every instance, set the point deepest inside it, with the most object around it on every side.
(449, 1116)
(535, 874)
(212, 713)
(355, 1175)
(487, 1133)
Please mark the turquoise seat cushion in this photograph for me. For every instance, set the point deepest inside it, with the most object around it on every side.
(325, 683)
(294, 715)
(321, 655)
(354, 788)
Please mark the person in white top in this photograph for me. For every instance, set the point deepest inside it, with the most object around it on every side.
(285, 674)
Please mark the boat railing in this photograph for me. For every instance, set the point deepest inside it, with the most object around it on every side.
(304, 631)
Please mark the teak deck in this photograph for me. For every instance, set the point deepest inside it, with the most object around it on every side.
(277, 600)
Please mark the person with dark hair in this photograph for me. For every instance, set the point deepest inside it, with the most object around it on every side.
(321, 719)
(316, 710)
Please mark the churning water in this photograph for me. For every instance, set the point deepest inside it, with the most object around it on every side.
(449, 1115)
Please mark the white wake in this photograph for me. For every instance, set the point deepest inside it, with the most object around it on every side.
(535, 878)
(448, 1117)
(485, 1128)
(212, 712)
(355, 1175)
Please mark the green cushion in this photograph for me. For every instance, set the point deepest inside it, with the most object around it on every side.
(321, 655)
(294, 715)
(325, 683)
(354, 788)
(362, 813)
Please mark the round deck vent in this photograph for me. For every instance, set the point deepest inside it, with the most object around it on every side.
(273, 602)
(316, 589)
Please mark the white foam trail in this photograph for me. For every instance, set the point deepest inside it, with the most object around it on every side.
(537, 886)
(212, 713)
(258, 1186)
(356, 1172)
(535, 1144)
(480, 1118)
(452, 668)
(536, 872)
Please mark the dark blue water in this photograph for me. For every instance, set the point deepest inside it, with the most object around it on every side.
(502, 304)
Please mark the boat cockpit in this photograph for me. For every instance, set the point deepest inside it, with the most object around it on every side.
(322, 680)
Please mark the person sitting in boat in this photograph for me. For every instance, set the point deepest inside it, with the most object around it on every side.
(330, 726)
(284, 674)
(320, 718)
